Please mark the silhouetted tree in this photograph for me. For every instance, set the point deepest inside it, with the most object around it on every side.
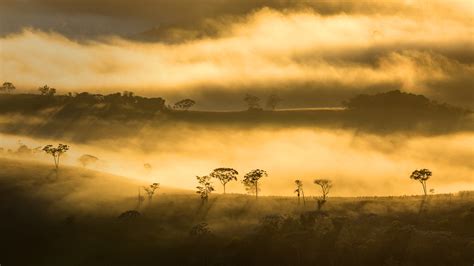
(128, 94)
(325, 185)
(251, 179)
(299, 191)
(205, 187)
(422, 176)
(7, 87)
(272, 101)
(47, 91)
(87, 159)
(225, 175)
(56, 152)
(184, 104)
(150, 191)
(253, 102)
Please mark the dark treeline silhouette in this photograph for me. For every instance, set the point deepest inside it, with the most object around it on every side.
(117, 105)
(392, 111)
(396, 109)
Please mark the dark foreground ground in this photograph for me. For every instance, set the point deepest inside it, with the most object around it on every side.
(72, 219)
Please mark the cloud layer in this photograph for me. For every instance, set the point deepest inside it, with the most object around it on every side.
(330, 50)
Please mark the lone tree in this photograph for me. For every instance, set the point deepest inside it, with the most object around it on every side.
(184, 104)
(325, 185)
(225, 175)
(47, 91)
(253, 102)
(251, 180)
(422, 176)
(7, 87)
(56, 152)
(150, 191)
(272, 101)
(299, 191)
(205, 187)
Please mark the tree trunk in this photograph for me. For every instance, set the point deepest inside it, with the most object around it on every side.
(256, 190)
(423, 183)
(56, 161)
(224, 188)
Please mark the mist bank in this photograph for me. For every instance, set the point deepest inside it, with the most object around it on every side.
(368, 148)
(358, 163)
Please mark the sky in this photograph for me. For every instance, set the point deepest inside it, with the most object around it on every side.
(311, 53)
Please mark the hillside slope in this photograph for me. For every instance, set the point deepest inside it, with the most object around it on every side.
(73, 220)
(73, 187)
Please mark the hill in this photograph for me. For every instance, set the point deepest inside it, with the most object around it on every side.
(72, 219)
(119, 114)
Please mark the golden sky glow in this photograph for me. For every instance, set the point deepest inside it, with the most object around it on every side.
(422, 46)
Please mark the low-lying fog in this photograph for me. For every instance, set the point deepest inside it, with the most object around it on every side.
(358, 163)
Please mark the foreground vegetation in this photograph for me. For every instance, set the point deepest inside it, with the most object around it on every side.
(73, 219)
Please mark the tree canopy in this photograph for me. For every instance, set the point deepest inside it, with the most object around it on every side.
(56, 152)
(224, 175)
(325, 185)
(272, 101)
(421, 176)
(47, 91)
(184, 104)
(251, 179)
(252, 101)
(7, 87)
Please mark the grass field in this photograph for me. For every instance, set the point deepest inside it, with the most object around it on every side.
(72, 219)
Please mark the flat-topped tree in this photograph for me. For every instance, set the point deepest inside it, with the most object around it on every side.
(7, 87)
(251, 179)
(184, 104)
(225, 175)
(421, 176)
(56, 152)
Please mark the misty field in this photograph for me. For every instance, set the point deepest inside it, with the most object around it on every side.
(72, 218)
(237, 132)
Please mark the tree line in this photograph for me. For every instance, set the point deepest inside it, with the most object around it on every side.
(250, 180)
(253, 102)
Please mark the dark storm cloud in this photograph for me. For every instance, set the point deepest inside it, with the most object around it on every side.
(138, 19)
